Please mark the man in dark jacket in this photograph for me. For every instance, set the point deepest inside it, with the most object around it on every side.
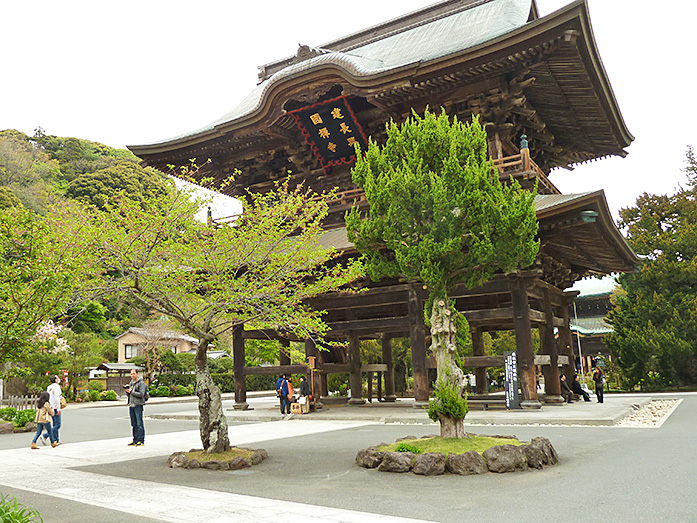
(577, 389)
(565, 390)
(136, 390)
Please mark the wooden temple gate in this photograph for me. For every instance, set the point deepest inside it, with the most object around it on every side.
(534, 81)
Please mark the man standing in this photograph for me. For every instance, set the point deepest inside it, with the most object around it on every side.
(54, 398)
(136, 399)
(279, 392)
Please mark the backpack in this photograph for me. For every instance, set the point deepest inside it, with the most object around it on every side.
(146, 396)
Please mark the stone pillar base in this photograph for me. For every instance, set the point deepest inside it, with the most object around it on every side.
(391, 399)
(356, 401)
(420, 404)
(553, 400)
(241, 406)
(530, 404)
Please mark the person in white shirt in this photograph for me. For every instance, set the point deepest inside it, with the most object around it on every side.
(54, 398)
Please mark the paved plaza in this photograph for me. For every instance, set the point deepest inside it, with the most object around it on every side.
(605, 472)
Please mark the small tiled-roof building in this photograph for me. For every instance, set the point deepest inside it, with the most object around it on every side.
(135, 340)
(588, 318)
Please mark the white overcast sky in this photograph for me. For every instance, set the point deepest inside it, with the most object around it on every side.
(138, 71)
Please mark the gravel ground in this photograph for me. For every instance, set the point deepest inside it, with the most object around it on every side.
(649, 415)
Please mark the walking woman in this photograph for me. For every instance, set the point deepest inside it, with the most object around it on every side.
(598, 379)
(44, 414)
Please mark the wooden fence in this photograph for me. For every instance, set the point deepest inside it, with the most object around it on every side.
(21, 402)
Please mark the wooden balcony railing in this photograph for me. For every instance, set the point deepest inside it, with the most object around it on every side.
(523, 168)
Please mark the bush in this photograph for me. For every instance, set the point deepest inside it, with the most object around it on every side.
(405, 447)
(176, 379)
(23, 416)
(95, 385)
(225, 381)
(182, 391)
(12, 511)
(8, 413)
(448, 402)
(110, 395)
(94, 395)
(259, 382)
(163, 391)
(84, 396)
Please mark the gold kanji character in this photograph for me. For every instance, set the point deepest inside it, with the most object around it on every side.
(351, 141)
(323, 132)
(336, 113)
(331, 146)
(316, 119)
(344, 128)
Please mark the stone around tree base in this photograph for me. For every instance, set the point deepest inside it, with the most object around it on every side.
(499, 459)
(7, 428)
(466, 464)
(29, 427)
(180, 460)
(429, 464)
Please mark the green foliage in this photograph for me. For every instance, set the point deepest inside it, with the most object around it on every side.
(8, 198)
(8, 413)
(438, 213)
(654, 317)
(448, 402)
(95, 385)
(23, 416)
(221, 365)
(406, 447)
(162, 391)
(338, 383)
(259, 382)
(39, 271)
(225, 382)
(11, 511)
(88, 317)
(110, 395)
(122, 178)
(84, 395)
(94, 395)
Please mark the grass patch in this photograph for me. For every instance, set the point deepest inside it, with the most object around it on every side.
(234, 452)
(454, 445)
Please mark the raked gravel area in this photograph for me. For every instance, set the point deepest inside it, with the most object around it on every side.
(650, 415)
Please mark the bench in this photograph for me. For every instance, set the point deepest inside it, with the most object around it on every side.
(486, 404)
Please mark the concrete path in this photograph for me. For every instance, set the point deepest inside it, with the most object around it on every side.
(606, 473)
(28, 469)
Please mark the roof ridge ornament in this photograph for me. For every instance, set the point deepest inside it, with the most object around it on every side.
(305, 52)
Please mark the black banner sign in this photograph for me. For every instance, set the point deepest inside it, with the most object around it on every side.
(511, 379)
(330, 129)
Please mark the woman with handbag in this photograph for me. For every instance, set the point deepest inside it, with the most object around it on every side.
(44, 411)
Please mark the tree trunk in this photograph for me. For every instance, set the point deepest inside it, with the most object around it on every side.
(444, 347)
(212, 420)
(451, 427)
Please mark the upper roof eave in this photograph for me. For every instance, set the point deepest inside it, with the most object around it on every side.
(539, 29)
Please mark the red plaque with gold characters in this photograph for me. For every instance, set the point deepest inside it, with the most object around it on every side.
(331, 130)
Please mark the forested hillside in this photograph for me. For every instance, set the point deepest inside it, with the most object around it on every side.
(39, 173)
(39, 170)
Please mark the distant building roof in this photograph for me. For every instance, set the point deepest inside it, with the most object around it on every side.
(156, 334)
(213, 354)
(119, 366)
(590, 326)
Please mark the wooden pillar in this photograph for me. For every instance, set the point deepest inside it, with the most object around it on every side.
(315, 383)
(381, 397)
(369, 379)
(238, 359)
(478, 350)
(355, 381)
(417, 337)
(284, 353)
(389, 373)
(523, 338)
(549, 346)
(565, 339)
